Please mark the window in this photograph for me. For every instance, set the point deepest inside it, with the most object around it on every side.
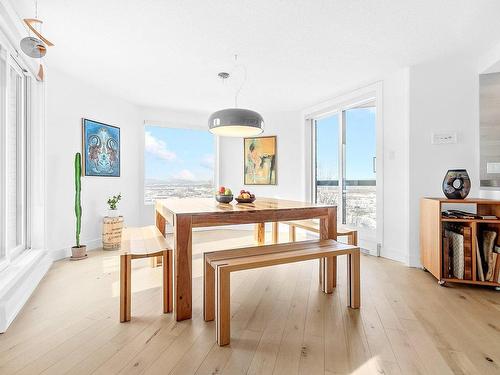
(14, 110)
(345, 164)
(178, 163)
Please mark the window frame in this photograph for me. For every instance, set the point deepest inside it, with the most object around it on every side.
(373, 243)
(23, 159)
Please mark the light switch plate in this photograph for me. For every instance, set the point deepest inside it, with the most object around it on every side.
(492, 167)
(444, 138)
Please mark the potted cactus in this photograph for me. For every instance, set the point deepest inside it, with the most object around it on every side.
(79, 251)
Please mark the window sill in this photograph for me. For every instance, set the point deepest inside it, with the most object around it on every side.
(18, 280)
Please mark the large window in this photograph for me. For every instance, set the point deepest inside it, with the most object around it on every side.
(178, 163)
(14, 111)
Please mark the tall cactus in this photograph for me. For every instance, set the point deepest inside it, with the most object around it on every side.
(78, 188)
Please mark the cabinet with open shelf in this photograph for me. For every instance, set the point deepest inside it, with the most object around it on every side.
(432, 229)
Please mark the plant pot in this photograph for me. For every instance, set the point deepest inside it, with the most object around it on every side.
(78, 252)
(113, 213)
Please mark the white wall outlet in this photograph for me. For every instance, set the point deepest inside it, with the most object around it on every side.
(444, 138)
(492, 167)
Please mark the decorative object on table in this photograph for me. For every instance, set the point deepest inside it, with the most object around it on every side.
(235, 122)
(260, 160)
(456, 243)
(35, 46)
(245, 197)
(224, 195)
(113, 205)
(78, 251)
(112, 232)
(101, 149)
(456, 184)
(489, 238)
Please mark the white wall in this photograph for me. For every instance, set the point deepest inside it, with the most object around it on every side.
(68, 100)
(396, 173)
(288, 127)
(443, 96)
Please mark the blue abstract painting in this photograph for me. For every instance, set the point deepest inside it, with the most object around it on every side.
(101, 149)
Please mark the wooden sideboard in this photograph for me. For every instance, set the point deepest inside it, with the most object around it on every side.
(433, 224)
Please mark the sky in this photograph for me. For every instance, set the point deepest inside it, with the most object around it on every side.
(360, 145)
(180, 154)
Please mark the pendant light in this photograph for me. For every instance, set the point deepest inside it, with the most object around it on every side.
(35, 46)
(235, 122)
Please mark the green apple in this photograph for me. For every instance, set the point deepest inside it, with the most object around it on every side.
(228, 192)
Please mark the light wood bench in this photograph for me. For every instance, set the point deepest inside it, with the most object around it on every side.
(139, 243)
(218, 266)
(313, 226)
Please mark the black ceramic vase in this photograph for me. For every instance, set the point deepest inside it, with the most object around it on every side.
(456, 184)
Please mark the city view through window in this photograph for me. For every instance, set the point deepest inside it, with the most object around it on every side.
(357, 200)
(178, 163)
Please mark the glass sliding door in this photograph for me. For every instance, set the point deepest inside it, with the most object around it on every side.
(360, 183)
(345, 146)
(327, 187)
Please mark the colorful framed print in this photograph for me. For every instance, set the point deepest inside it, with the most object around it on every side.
(101, 149)
(260, 160)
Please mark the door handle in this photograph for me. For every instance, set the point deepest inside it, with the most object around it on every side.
(374, 164)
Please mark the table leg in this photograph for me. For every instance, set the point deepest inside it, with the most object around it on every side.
(260, 233)
(183, 273)
(328, 266)
(275, 233)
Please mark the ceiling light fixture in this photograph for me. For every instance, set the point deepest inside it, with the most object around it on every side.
(35, 47)
(235, 122)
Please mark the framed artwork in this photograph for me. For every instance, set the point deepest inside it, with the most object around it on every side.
(260, 160)
(101, 149)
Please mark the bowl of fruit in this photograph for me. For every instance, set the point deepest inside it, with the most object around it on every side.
(245, 197)
(224, 195)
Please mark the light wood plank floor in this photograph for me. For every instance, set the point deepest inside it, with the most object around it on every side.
(281, 323)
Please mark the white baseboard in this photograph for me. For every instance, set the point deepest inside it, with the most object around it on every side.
(394, 255)
(65, 252)
(18, 282)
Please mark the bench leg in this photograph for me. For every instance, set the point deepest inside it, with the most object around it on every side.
(328, 274)
(223, 315)
(208, 291)
(352, 238)
(125, 287)
(156, 262)
(292, 234)
(160, 223)
(168, 305)
(275, 233)
(353, 280)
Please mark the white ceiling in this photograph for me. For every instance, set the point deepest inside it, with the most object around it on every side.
(297, 52)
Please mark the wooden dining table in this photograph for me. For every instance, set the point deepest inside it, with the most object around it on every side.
(188, 213)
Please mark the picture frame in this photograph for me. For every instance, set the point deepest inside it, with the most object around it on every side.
(101, 149)
(260, 160)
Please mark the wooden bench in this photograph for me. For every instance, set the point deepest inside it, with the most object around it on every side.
(313, 226)
(139, 243)
(218, 266)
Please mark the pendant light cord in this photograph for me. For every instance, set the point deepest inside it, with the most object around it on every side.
(239, 66)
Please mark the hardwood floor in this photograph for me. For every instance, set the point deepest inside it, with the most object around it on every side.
(281, 322)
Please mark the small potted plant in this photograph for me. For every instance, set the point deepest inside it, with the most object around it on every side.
(79, 251)
(113, 205)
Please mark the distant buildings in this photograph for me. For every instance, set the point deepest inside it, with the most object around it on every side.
(177, 190)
